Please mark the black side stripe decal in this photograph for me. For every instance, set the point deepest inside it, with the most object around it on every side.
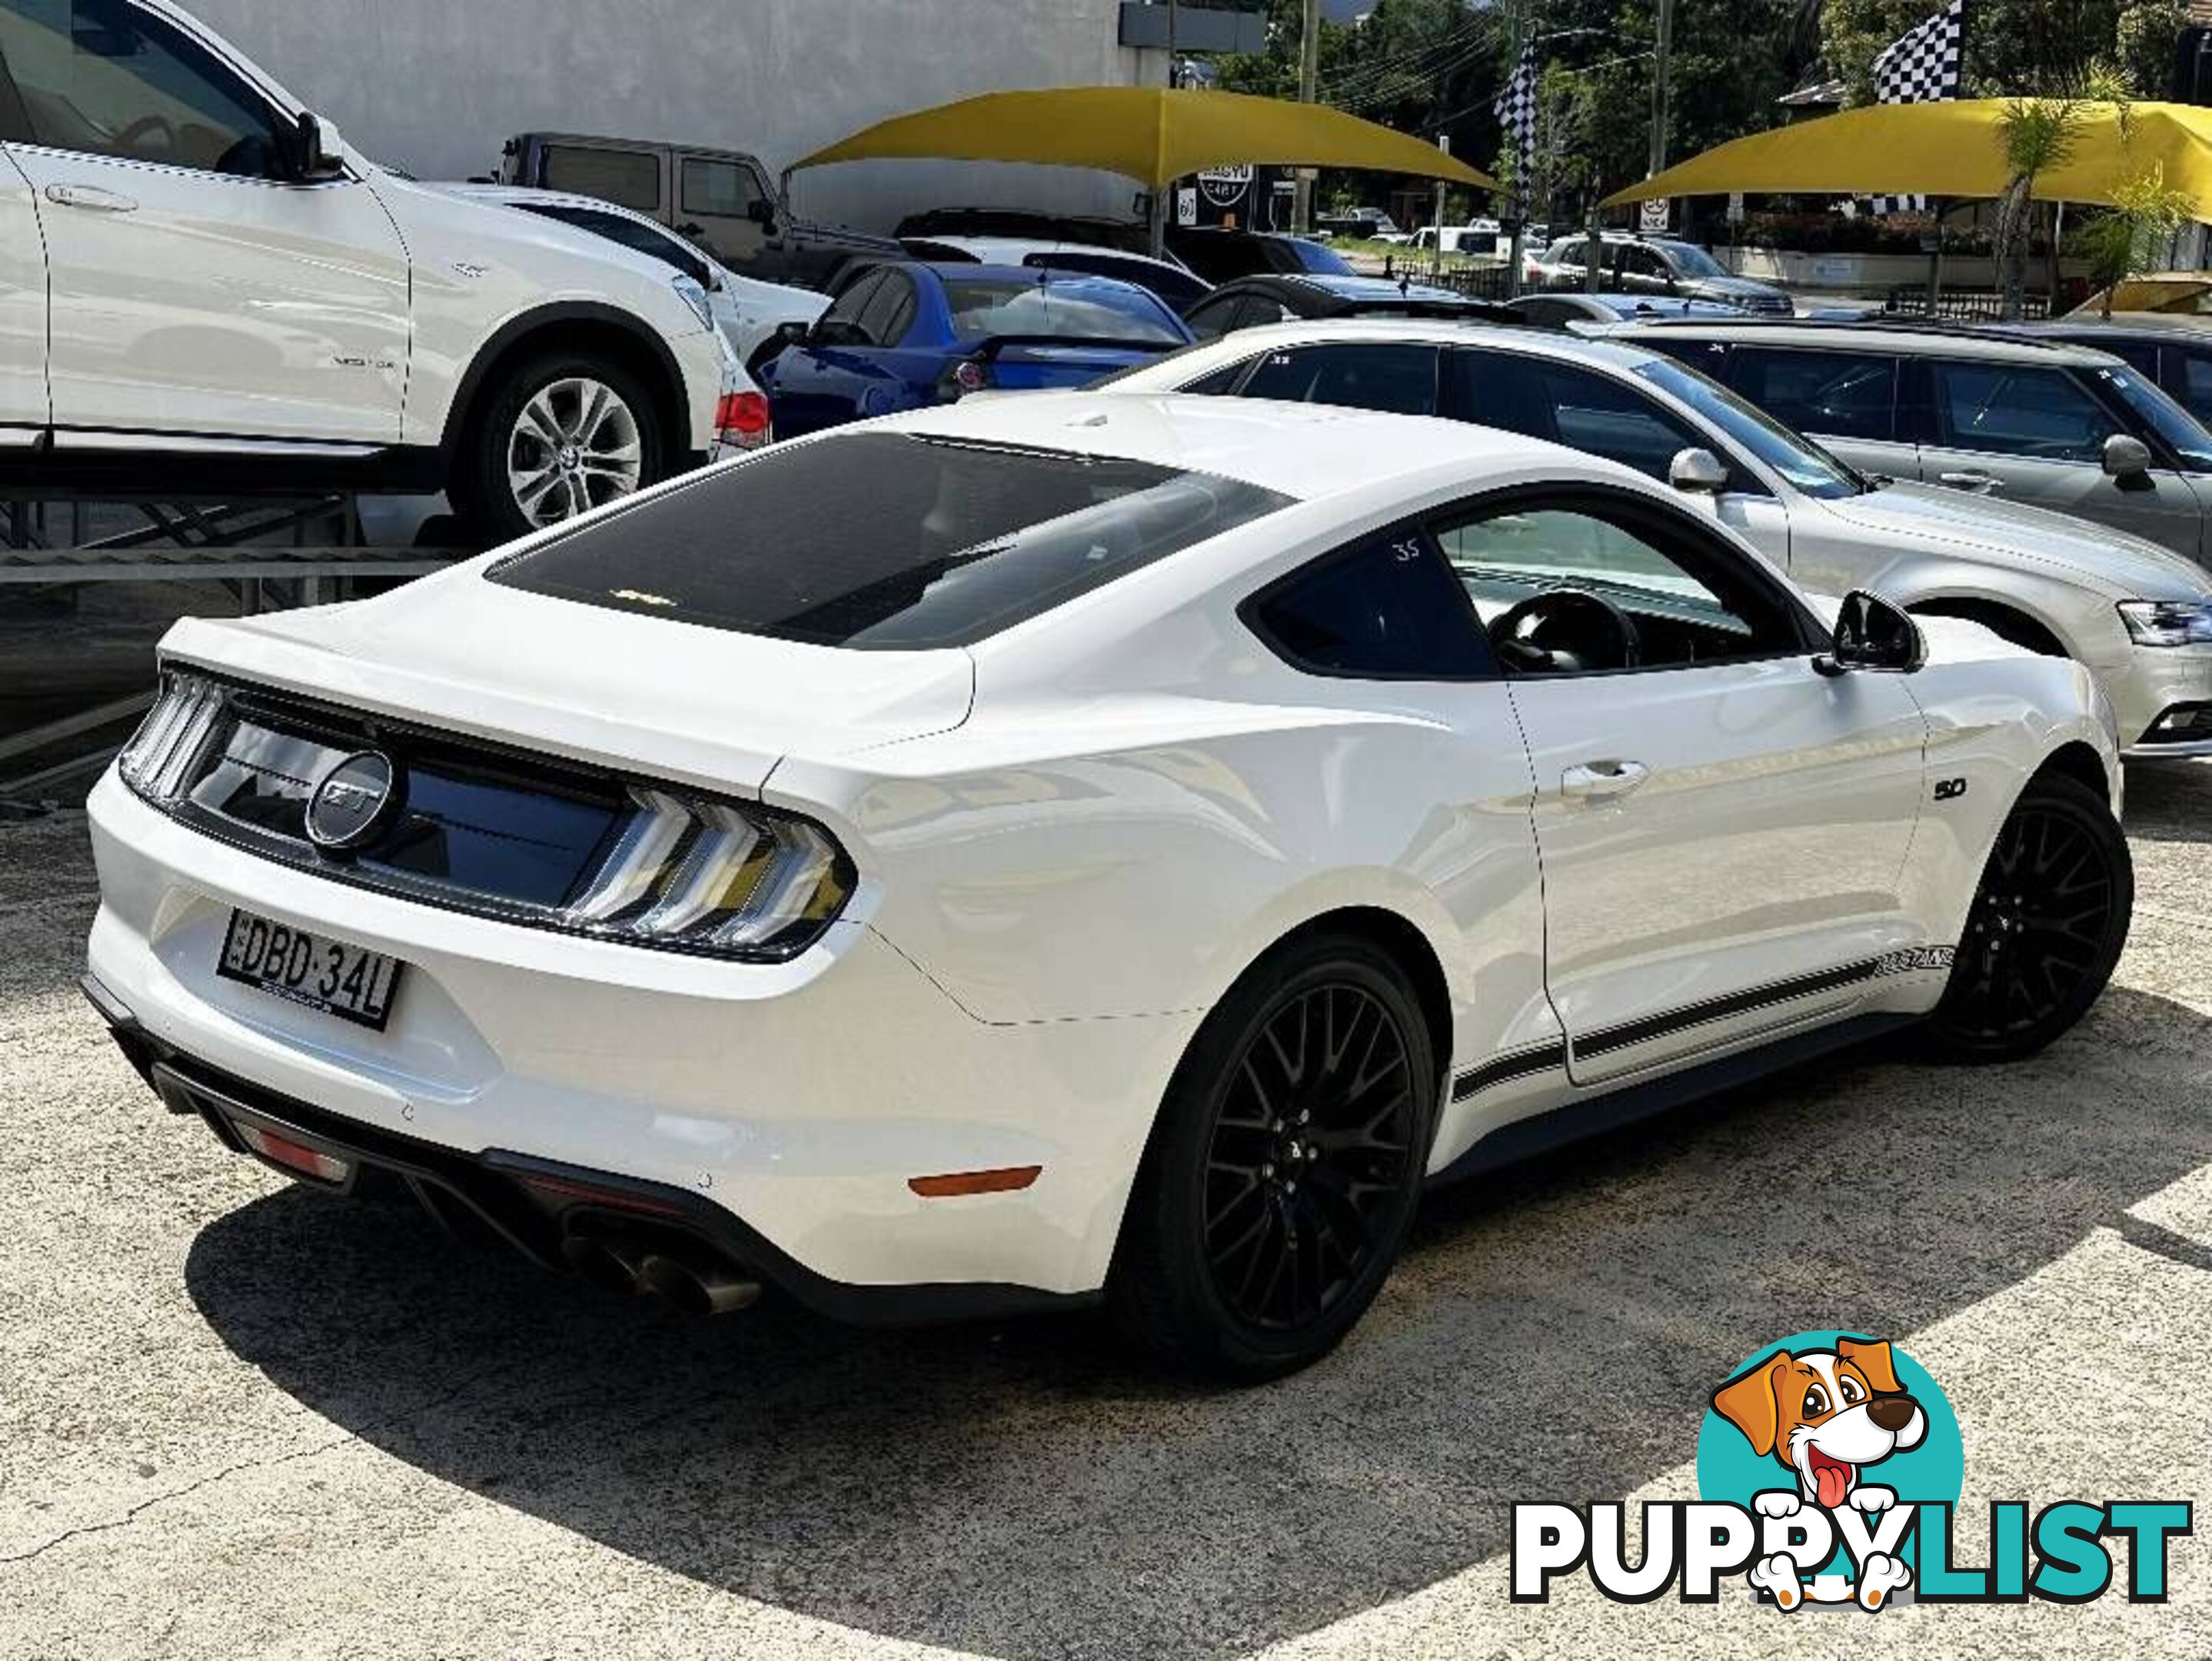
(1720, 1009)
(1547, 1057)
(1542, 1059)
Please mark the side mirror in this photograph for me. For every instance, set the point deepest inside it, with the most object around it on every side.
(312, 152)
(762, 212)
(1698, 472)
(793, 334)
(1872, 634)
(2125, 457)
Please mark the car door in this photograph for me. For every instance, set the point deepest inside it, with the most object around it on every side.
(1723, 828)
(1568, 403)
(849, 369)
(1642, 271)
(2037, 433)
(194, 291)
(24, 409)
(715, 199)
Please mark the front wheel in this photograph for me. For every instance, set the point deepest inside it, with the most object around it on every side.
(559, 435)
(1286, 1167)
(2046, 929)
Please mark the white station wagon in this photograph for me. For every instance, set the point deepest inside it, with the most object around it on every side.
(1075, 846)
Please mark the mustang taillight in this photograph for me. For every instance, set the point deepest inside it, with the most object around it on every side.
(714, 877)
(158, 762)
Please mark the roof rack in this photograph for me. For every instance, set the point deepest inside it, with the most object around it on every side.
(1872, 323)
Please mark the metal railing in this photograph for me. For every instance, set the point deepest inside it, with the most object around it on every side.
(1961, 305)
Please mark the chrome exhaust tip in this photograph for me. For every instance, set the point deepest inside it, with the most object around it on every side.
(696, 1290)
(601, 1264)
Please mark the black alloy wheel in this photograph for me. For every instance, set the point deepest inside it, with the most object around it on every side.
(1312, 1143)
(1286, 1166)
(2046, 929)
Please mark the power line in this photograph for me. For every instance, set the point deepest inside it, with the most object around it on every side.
(1390, 89)
(1362, 78)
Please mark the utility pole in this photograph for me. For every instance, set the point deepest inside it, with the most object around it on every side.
(1659, 87)
(1175, 64)
(1308, 75)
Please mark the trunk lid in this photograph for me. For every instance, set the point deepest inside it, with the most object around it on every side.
(709, 707)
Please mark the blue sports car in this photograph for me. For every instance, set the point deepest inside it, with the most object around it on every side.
(900, 337)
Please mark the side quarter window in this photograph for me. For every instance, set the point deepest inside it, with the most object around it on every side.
(1386, 608)
(1840, 395)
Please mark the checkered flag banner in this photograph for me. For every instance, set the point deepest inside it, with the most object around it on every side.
(1920, 67)
(1516, 107)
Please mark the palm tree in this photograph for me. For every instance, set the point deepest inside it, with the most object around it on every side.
(2039, 135)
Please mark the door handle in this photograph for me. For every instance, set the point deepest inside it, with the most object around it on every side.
(91, 197)
(1604, 778)
(1973, 480)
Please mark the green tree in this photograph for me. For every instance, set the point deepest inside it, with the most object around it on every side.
(2134, 235)
(2015, 47)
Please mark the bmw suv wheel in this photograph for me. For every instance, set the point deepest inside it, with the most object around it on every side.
(561, 434)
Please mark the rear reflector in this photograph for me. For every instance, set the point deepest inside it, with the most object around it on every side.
(613, 1198)
(743, 419)
(975, 1182)
(293, 1156)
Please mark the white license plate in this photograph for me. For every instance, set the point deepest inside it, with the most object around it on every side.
(349, 982)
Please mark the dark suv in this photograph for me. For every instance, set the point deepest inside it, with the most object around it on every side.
(720, 198)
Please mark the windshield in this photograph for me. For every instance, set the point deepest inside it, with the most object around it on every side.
(1798, 459)
(1085, 308)
(950, 541)
(2180, 429)
(1690, 260)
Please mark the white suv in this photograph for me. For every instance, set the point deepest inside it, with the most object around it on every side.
(199, 282)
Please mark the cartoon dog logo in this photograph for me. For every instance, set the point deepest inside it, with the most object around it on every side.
(1826, 1416)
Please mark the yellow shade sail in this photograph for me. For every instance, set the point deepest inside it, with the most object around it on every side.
(1151, 134)
(1948, 150)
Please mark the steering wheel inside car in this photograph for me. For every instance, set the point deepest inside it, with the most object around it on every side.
(132, 141)
(1566, 631)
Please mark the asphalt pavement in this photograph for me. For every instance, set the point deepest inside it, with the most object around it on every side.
(239, 1418)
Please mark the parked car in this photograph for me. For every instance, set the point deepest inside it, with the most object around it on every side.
(2173, 352)
(2138, 616)
(203, 285)
(1129, 235)
(720, 198)
(1562, 308)
(1653, 266)
(2049, 424)
(1369, 223)
(1252, 301)
(1479, 237)
(900, 337)
(749, 313)
(1074, 847)
(1172, 281)
(1220, 256)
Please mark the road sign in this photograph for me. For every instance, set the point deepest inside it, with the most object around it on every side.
(1186, 207)
(1655, 216)
(1735, 208)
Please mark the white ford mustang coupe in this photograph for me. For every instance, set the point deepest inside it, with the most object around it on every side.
(1066, 847)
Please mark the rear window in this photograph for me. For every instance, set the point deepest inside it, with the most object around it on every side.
(886, 541)
(985, 306)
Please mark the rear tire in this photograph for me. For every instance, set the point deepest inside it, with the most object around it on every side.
(1286, 1167)
(558, 434)
(2046, 929)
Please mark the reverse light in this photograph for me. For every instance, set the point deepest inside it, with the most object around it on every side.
(293, 1156)
(714, 877)
(2168, 622)
(744, 419)
(159, 759)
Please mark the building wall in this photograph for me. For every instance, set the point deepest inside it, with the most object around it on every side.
(434, 86)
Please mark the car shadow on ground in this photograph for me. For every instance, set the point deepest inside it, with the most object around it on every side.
(2168, 801)
(1029, 1489)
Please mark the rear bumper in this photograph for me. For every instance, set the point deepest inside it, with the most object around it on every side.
(534, 1204)
(791, 1104)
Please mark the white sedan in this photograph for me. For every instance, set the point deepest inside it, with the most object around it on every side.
(1067, 846)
